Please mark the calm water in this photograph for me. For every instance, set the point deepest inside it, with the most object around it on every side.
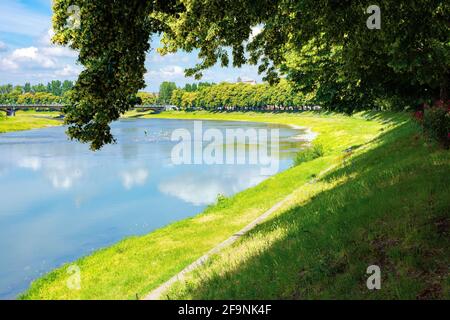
(60, 201)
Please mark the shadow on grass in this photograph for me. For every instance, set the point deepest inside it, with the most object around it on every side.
(392, 210)
(272, 112)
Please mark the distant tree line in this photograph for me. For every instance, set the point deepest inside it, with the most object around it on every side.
(54, 92)
(147, 98)
(166, 90)
(241, 96)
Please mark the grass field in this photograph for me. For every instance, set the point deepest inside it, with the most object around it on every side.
(384, 202)
(26, 120)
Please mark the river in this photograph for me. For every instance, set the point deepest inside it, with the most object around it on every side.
(60, 201)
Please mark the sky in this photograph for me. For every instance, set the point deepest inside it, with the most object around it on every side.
(27, 54)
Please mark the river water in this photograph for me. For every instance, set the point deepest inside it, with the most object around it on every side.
(60, 201)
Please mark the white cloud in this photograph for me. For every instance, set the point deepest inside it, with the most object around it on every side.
(192, 191)
(45, 57)
(156, 57)
(3, 46)
(61, 173)
(50, 49)
(255, 31)
(167, 72)
(68, 71)
(134, 178)
(202, 189)
(168, 58)
(33, 163)
(46, 38)
(6, 64)
(172, 71)
(63, 179)
(55, 51)
(30, 55)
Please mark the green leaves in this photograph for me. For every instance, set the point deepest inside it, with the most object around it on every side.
(165, 92)
(239, 95)
(323, 46)
(112, 43)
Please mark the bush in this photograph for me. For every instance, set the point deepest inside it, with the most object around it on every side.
(309, 154)
(436, 124)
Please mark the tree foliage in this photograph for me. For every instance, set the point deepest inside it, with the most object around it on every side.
(55, 92)
(55, 87)
(147, 98)
(241, 96)
(323, 46)
(407, 60)
(165, 92)
(112, 42)
(192, 87)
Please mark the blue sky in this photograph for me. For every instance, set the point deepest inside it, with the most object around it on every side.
(26, 54)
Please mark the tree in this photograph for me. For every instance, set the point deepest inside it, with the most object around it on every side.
(55, 87)
(7, 88)
(177, 97)
(66, 86)
(147, 98)
(165, 92)
(188, 87)
(112, 42)
(39, 88)
(27, 87)
(238, 95)
(54, 92)
(409, 58)
(18, 89)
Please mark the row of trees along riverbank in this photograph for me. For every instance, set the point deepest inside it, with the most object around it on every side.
(241, 96)
(55, 92)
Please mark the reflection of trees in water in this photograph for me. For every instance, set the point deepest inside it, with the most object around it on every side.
(126, 139)
(129, 150)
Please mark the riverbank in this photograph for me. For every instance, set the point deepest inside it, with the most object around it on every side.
(27, 120)
(387, 205)
(316, 245)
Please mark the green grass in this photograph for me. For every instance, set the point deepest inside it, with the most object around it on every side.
(385, 202)
(27, 120)
(388, 205)
(308, 154)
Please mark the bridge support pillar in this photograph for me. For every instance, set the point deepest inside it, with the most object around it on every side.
(11, 112)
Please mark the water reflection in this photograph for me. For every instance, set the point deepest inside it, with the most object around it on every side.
(132, 178)
(60, 201)
(204, 188)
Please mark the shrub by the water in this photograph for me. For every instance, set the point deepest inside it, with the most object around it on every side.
(309, 154)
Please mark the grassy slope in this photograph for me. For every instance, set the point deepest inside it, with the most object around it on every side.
(26, 120)
(136, 265)
(388, 205)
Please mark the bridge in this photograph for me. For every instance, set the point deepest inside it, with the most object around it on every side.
(11, 109)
